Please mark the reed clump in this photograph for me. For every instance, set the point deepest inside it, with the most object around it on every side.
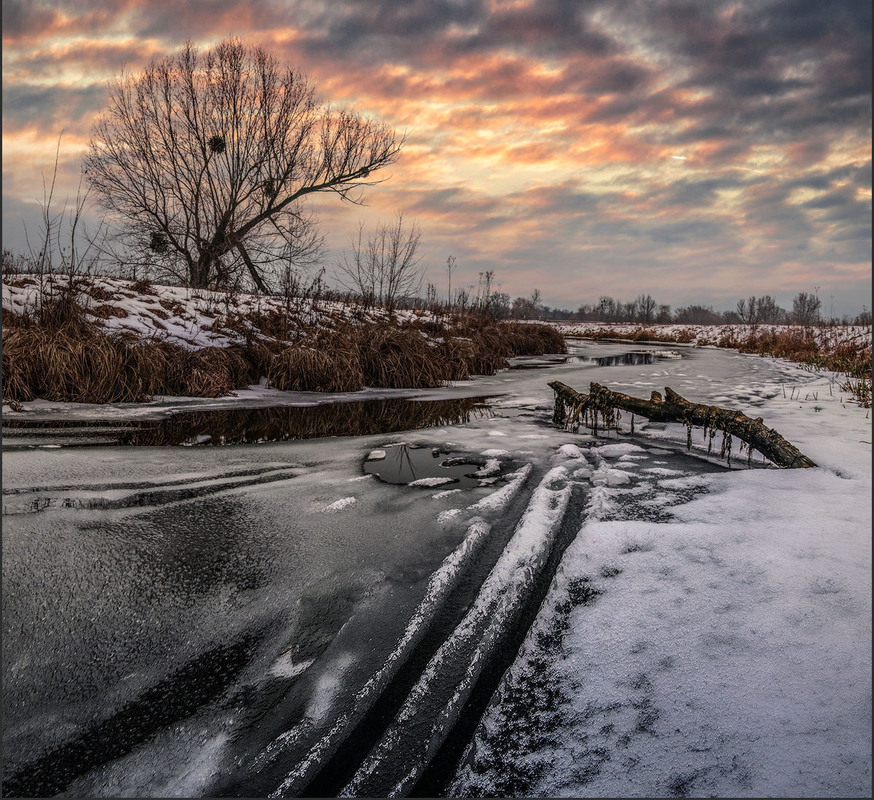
(393, 357)
(82, 365)
(493, 343)
(320, 368)
(208, 372)
(531, 339)
(462, 357)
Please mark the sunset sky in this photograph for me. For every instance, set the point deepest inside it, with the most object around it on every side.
(696, 151)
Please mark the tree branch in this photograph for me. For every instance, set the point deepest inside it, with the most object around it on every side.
(675, 408)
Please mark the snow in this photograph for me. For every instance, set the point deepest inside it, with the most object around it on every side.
(338, 505)
(708, 631)
(192, 318)
(441, 583)
(491, 468)
(727, 650)
(571, 451)
(500, 499)
(704, 335)
(495, 605)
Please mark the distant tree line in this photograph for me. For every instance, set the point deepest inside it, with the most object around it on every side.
(644, 310)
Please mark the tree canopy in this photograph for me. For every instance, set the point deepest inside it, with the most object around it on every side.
(206, 159)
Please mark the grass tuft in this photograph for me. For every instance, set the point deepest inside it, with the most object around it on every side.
(315, 369)
(396, 358)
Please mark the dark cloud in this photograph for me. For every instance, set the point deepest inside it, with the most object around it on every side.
(689, 230)
(698, 193)
(22, 18)
(55, 107)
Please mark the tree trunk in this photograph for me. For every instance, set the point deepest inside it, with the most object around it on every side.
(253, 270)
(675, 408)
(199, 272)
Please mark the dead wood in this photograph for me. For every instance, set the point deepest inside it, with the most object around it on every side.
(573, 408)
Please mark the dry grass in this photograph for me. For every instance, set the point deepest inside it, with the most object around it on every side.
(493, 343)
(208, 372)
(316, 369)
(462, 357)
(274, 322)
(523, 339)
(79, 365)
(19, 363)
(396, 358)
(60, 352)
(143, 287)
(99, 293)
(105, 311)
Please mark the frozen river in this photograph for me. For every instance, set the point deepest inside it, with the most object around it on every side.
(277, 618)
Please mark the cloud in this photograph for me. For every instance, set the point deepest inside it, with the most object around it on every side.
(541, 133)
(54, 106)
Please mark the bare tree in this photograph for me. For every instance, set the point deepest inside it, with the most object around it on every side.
(646, 308)
(450, 268)
(697, 315)
(747, 311)
(805, 308)
(206, 157)
(384, 267)
(607, 308)
(769, 312)
(527, 307)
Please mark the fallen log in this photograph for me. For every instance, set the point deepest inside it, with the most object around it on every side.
(573, 408)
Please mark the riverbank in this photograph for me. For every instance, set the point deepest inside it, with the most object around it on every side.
(102, 340)
(272, 594)
(835, 348)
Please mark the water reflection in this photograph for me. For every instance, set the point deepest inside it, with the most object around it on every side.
(631, 358)
(252, 425)
(403, 464)
(621, 360)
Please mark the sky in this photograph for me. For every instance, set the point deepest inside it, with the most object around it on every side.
(696, 151)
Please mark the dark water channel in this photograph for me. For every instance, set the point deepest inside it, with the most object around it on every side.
(632, 358)
(249, 425)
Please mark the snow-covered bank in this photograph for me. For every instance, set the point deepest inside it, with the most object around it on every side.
(720, 648)
(192, 318)
(97, 340)
(704, 335)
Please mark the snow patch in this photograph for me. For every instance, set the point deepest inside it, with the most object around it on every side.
(339, 505)
(431, 481)
(571, 451)
(617, 449)
(501, 498)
